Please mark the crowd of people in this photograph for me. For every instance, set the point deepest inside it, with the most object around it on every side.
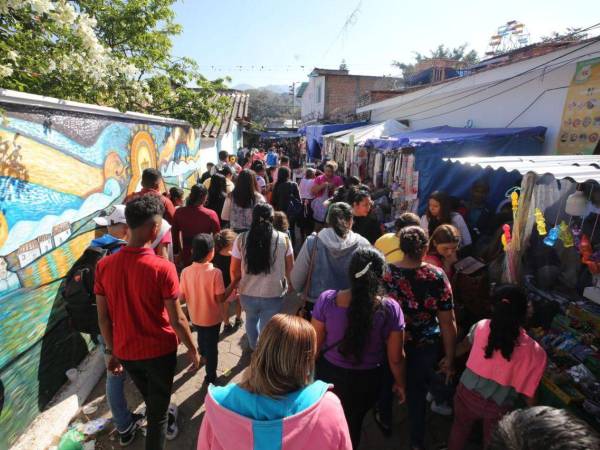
(376, 325)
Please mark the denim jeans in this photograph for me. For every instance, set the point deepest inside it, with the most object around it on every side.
(421, 364)
(154, 379)
(115, 396)
(259, 311)
(208, 346)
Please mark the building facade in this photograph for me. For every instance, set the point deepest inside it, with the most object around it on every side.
(334, 95)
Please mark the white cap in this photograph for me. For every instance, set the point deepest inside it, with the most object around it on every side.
(112, 216)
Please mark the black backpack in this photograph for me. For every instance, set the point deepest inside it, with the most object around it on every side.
(78, 289)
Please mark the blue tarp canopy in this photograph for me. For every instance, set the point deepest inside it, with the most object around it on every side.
(314, 135)
(279, 135)
(433, 144)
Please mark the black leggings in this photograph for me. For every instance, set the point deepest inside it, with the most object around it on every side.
(357, 389)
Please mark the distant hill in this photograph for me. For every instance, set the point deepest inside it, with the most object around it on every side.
(243, 87)
(275, 88)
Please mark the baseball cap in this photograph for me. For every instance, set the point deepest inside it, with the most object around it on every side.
(111, 216)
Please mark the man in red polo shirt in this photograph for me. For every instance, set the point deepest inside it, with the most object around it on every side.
(191, 220)
(150, 185)
(140, 316)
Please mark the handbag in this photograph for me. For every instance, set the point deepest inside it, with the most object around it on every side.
(319, 208)
(295, 208)
(302, 311)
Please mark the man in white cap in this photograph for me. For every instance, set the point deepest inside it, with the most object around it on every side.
(114, 220)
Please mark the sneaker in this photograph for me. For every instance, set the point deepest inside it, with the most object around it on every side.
(172, 429)
(128, 436)
(238, 323)
(227, 328)
(442, 409)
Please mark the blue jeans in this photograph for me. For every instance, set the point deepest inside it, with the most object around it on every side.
(115, 396)
(259, 311)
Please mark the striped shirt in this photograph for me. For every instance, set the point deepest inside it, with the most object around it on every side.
(136, 284)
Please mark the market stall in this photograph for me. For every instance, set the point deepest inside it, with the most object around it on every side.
(314, 135)
(342, 145)
(551, 247)
(410, 163)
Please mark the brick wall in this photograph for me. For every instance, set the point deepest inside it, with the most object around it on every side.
(342, 93)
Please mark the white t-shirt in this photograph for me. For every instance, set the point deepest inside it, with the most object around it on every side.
(458, 222)
(305, 189)
(262, 184)
(235, 251)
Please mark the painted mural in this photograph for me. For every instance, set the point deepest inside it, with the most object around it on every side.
(58, 169)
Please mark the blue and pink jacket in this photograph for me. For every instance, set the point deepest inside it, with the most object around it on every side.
(236, 419)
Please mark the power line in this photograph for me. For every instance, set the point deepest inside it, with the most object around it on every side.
(534, 102)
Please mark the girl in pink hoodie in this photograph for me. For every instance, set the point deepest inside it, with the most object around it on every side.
(278, 405)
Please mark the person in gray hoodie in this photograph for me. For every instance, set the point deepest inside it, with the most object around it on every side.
(331, 251)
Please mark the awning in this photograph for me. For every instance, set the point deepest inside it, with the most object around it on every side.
(314, 135)
(577, 168)
(446, 134)
(372, 131)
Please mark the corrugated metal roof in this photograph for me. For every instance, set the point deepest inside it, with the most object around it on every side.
(578, 168)
(223, 123)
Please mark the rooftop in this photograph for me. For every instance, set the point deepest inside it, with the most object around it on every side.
(223, 123)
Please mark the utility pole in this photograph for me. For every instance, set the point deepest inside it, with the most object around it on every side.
(293, 94)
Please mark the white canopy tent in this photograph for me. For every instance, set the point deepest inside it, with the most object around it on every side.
(371, 131)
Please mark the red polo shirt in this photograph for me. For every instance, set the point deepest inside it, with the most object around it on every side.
(190, 221)
(136, 283)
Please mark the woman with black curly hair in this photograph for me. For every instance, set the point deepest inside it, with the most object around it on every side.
(425, 295)
(357, 330)
(261, 261)
(504, 363)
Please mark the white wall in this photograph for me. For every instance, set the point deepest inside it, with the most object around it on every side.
(310, 108)
(483, 100)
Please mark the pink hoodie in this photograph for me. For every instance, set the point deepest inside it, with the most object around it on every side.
(317, 421)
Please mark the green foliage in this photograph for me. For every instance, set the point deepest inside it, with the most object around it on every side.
(459, 53)
(570, 34)
(266, 105)
(343, 65)
(110, 52)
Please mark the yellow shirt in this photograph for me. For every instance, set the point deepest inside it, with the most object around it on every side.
(389, 245)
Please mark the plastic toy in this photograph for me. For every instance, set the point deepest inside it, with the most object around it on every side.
(552, 237)
(514, 199)
(565, 235)
(540, 221)
(506, 237)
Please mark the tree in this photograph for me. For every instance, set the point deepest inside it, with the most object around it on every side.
(343, 65)
(570, 34)
(109, 52)
(441, 51)
(266, 105)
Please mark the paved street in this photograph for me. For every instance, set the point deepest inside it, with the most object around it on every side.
(188, 394)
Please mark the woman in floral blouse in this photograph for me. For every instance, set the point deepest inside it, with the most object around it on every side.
(425, 296)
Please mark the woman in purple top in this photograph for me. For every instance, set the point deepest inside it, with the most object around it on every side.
(356, 331)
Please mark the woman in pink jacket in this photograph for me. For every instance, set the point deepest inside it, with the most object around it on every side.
(277, 405)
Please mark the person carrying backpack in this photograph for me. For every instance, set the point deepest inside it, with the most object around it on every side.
(78, 293)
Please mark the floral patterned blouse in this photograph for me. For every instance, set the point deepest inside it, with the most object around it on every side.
(421, 292)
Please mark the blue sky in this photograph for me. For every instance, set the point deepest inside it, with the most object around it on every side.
(281, 35)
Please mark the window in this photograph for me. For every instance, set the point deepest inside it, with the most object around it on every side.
(319, 92)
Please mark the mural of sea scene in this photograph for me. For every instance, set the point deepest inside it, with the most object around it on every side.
(58, 169)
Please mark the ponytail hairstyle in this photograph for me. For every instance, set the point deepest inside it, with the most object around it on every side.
(259, 256)
(224, 239)
(509, 312)
(365, 272)
(413, 242)
(197, 196)
(339, 217)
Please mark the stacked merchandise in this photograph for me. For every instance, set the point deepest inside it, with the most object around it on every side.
(572, 378)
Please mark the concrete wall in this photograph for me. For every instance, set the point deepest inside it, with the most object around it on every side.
(61, 163)
(311, 109)
(526, 93)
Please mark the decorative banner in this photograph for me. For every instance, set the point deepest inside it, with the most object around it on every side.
(580, 127)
